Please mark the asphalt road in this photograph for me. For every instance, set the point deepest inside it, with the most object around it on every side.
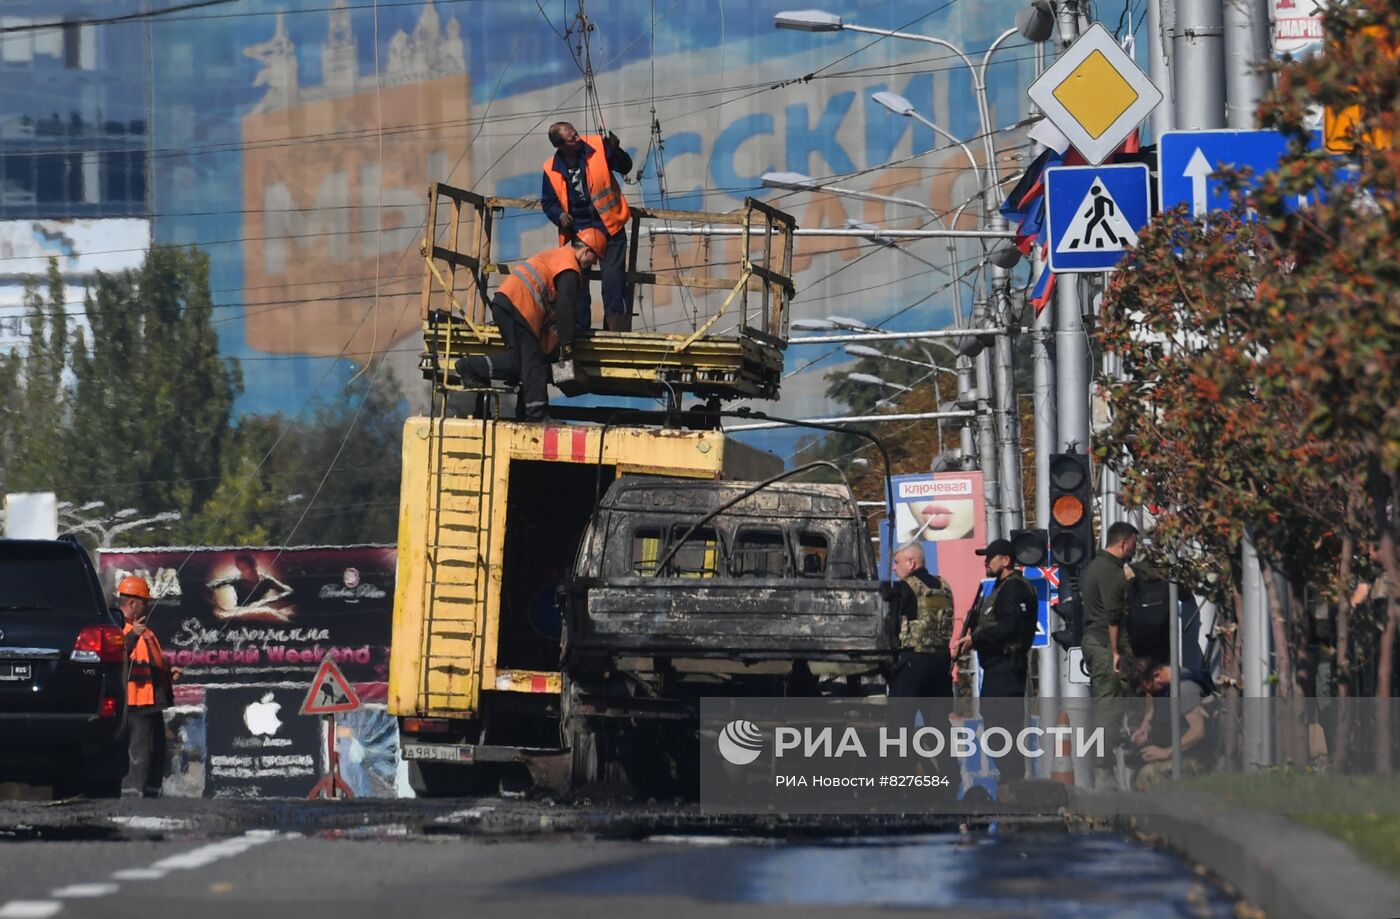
(495, 856)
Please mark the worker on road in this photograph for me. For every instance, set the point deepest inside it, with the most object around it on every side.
(580, 192)
(534, 309)
(1001, 629)
(148, 691)
(924, 604)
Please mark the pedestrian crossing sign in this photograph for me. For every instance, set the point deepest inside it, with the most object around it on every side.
(1094, 214)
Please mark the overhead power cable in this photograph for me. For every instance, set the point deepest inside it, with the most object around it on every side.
(110, 20)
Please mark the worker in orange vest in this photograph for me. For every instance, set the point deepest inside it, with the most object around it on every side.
(148, 691)
(534, 310)
(579, 192)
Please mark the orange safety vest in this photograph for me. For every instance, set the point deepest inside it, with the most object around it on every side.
(149, 679)
(602, 187)
(530, 288)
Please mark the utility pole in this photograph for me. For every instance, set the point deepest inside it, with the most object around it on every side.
(1254, 659)
(986, 438)
(1043, 408)
(1198, 63)
(1160, 16)
(1246, 50)
(1008, 424)
(1072, 409)
(1199, 58)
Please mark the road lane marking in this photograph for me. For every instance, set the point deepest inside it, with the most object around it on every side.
(462, 816)
(150, 823)
(30, 909)
(137, 874)
(193, 859)
(77, 891)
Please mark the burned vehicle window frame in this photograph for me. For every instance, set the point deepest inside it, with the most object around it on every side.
(839, 528)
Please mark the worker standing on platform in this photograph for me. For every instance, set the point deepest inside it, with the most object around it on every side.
(534, 310)
(580, 192)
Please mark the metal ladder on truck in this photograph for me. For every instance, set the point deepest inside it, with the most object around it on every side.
(461, 470)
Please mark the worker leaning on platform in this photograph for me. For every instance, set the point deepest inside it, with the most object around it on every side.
(534, 310)
(579, 192)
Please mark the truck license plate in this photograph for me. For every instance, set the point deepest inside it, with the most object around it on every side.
(440, 752)
(15, 672)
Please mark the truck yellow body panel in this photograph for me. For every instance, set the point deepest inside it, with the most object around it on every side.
(467, 544)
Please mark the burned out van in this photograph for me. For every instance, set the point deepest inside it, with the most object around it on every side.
(689, 588)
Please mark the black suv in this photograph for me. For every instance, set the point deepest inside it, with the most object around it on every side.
(62, 671)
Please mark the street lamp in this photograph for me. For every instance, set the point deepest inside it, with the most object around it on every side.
(1001, 474)
(796, 181)
(1036, 23)
(901, 106)
(808, 21)
(877, 354)
(873, 380)
(821, 21)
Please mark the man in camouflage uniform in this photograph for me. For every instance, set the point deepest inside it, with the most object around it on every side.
(924, 603)
(1000, 629)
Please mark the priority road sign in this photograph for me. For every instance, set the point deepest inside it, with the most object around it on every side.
(1191, 165)
(330, 692)
(1095, 94)
(1094, 213)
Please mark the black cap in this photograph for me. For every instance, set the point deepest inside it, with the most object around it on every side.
(998, 547)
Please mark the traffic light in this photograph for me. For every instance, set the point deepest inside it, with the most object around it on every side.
(1071, 515)
(1028, 547)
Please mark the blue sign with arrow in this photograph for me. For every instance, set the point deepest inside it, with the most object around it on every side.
(1093, 214)
(1192, 164)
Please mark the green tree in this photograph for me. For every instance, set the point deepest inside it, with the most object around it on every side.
(153, 397)
(1262, 350)
(33, 416)
(330, 480)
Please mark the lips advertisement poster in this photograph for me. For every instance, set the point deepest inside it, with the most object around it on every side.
(944, 513)
(266, 615)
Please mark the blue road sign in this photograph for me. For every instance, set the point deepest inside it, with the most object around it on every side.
(1045, 589)
(1191, 165)
(1093, 214)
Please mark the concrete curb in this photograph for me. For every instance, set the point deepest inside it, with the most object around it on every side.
(1283, 867)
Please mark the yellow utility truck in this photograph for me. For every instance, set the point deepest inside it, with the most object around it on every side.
(491, 517)
(493, 512)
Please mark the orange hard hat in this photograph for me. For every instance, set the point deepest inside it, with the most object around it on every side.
(134, 586)
(594, 239)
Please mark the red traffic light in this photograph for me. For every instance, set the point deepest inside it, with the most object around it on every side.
(1068, 510)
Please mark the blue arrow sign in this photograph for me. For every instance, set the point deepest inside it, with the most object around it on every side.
(1191, 165)
(1094, 213)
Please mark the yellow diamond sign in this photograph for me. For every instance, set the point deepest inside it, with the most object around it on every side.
(1095, 94)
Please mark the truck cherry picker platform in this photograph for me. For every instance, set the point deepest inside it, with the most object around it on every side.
(702, 361)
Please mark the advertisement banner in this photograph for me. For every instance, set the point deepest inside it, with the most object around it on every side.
(267, 615)
(258, 746)
(944, 513)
